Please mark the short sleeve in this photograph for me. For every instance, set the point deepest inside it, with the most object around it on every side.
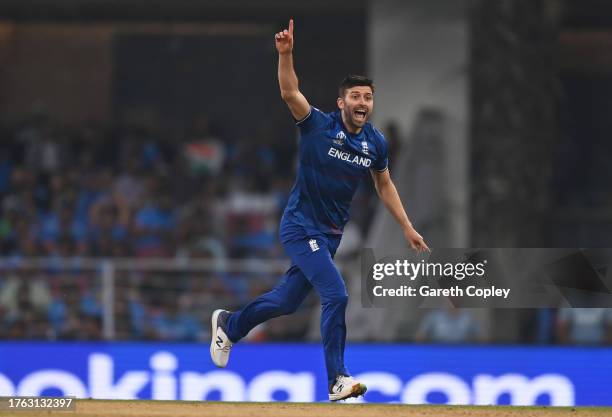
(382, 160)
(315, 120)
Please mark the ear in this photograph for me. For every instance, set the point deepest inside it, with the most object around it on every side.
(340, 102)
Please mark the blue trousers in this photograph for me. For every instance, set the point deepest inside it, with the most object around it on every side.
(312, 266)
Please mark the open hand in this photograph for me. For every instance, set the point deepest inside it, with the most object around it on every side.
(415, 240)
(284, 40)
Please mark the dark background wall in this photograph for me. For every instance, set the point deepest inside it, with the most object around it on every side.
(89, 62)
(541, 93)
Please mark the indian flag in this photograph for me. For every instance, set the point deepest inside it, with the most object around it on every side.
(205, 157)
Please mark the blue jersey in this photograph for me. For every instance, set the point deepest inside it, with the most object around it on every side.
(332, 163)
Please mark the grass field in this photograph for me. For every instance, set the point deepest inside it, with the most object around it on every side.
(100, 408)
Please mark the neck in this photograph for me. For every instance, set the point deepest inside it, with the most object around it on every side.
(355, 130)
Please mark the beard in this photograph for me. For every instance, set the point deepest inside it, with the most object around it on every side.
(353, 119)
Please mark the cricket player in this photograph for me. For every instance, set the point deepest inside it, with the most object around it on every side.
(336, 151)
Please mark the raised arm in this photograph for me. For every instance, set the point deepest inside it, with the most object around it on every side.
(287, 79)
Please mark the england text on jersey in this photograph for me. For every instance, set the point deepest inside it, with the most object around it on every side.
(348, 157)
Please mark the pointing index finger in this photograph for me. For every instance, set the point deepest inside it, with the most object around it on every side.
(291, 26)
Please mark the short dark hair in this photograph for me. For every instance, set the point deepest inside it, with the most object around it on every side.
(352, 80)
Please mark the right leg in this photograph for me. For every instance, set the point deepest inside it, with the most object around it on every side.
(314, 258)
(283, 299)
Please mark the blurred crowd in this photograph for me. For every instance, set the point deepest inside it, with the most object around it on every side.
(133, 192)
(124, 192)
(72, 195)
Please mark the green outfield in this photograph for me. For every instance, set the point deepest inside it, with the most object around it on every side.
(118, 408)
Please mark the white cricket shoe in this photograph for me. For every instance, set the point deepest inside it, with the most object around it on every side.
(346, 387)
(220, 345)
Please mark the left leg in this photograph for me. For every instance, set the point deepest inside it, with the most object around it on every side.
(283, 299)
(228, 328)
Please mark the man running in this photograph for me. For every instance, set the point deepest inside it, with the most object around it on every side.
(336, 151)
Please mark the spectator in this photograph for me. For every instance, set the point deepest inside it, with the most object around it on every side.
(62, 227)
(183, 325)
(107, 229)
(128, 188)
(154, 224)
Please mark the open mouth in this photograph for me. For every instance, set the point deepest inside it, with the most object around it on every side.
(360, 114)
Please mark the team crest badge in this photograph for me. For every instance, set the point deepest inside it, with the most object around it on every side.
(364, 148)
(340, 136)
